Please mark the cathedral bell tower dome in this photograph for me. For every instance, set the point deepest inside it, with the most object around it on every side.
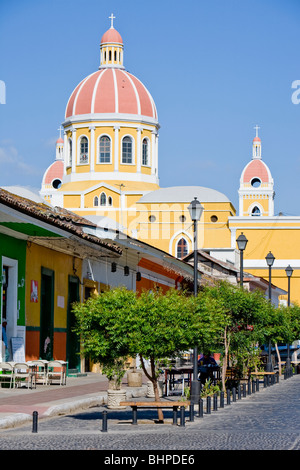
(256, 192)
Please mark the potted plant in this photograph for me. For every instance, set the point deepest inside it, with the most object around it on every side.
(115, 372)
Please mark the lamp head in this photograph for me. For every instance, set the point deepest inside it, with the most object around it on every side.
(242, 242)
(270, 258)
(195, 209)
(289, 271)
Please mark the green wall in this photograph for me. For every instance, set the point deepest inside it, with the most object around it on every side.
(16, 249)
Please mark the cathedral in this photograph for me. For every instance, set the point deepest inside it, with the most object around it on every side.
(106, 170)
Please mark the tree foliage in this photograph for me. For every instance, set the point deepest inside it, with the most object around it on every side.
(155, 325)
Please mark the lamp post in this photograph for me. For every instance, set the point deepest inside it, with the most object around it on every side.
(195, 210)
(242, 243)
(289, 272)
(270, 258)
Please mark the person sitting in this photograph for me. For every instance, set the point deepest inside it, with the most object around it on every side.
(206, 366)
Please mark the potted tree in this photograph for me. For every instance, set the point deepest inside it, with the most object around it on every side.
(101, 323)
(115, 372)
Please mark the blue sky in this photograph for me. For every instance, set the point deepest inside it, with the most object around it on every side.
(214, 68)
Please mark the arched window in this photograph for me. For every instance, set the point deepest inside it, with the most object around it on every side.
(182, 248)
(145, 153)
(103, 199)
(127, 150)
(256, 211)
(84, 150)
(104, 149)
(96, 201)
(70, 151)
(110, 201)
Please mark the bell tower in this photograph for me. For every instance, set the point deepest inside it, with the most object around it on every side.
(256, 192)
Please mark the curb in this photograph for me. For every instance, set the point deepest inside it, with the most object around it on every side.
(16, 419)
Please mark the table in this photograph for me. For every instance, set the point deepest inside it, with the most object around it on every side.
(180, 376)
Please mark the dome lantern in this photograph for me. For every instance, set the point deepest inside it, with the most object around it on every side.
(256, 145)
(111, 48)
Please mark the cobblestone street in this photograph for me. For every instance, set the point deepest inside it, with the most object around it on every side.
(265, 420)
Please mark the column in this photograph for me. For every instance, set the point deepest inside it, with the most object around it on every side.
(116, 152)
(92, 149)
(153, 152)
(74, 150)
(138, 153)
(66, 151)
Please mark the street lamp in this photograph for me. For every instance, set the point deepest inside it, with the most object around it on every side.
(195, 210)
(289, 272)
(270, 258)
(242, 243)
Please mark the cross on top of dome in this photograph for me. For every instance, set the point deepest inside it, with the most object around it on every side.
(256, 129)
(112, 18)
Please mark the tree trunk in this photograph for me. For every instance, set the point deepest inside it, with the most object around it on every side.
(154, 380)
(225, 359)
(279, 358)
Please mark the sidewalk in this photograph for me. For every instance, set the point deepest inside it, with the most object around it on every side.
(17, 405)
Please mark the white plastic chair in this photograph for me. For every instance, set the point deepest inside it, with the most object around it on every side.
(7, 373)
(40, 371)
(22, 374)
(56, 371)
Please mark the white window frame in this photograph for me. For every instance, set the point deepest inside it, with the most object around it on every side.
(133, 150)
(98, 150)
(176, 245)
(102, 205)
(148, 150)
(259, 206)
(70, 152)
(78, 150)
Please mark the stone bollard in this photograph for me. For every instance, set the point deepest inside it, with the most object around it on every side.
(222, 400)
(35, 421)
(192, 412)
(200, 408)
(215, 400)
(208, 405)
(104, 421)
(182, 416)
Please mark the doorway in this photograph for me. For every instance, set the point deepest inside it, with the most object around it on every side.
(9, 305)
(73, 344)
(47, 314)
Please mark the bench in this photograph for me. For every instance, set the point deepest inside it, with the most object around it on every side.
(266, 376)
(155, 404)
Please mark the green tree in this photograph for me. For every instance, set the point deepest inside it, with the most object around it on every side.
(103, 323)
(242, 319)
(119, 323)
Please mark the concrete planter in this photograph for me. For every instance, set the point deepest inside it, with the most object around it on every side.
(150, 391)
(114, 397)
(134, 379)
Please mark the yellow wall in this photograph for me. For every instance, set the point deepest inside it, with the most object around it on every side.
(62, 265)
(268, 235)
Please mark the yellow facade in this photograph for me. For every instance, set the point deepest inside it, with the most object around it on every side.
(60, 267)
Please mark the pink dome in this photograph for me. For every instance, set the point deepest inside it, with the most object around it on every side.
(256, 139)
(59, 141)
(54, 172)
(111, 90)
(110, 36)
(256, 169)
